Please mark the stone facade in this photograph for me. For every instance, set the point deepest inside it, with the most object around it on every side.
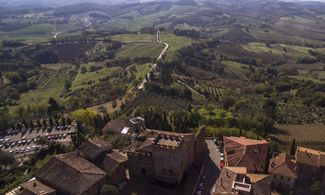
(283, 181)
(310, 164)
(165, 156)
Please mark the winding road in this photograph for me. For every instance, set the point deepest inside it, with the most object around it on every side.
(154, 66)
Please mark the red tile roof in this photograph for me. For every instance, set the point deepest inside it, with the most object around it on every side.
(310, 157)
(282, 165)
(243, 152)
(70, 173)
(92, 148)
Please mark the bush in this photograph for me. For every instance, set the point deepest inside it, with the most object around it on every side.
(108, 190)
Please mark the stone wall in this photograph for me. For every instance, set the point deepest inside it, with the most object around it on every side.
(140, 165)
(200, 146)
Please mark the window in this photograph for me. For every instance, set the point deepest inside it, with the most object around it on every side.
(143, 170)
(231, 152)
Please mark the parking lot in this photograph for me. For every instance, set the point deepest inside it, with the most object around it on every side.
(25, 141)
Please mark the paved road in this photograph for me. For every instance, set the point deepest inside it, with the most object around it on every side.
(212, 169)
(154, 66)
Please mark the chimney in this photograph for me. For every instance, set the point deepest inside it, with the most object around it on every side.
(34, 184)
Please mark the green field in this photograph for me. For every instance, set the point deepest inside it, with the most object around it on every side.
(175, 43)
(126, 38)
(56, 66)
(90, 78)
(27, 38)
(53, 87)
(237, 68)
(133, 50)
(291, 51)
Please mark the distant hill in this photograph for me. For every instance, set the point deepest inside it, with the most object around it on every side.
(58, 3)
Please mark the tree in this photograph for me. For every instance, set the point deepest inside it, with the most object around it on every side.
(293, 147)
(53, 106)
(69, 120)
(38, 123)
(269, 107)
(44, 123)
(108, 190)
(63, 122)
(51, 122)
(31, 124)
(6, 159)
(316, 188)
(67, 85)
(43, 141)
(25, 123)
(84, 116)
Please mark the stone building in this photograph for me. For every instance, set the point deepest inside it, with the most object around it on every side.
(236, 180)
(71, 174)
(100, 153)
(244, 152)
(310, 164)
(283, 171)
(34, 187)
(165, 156)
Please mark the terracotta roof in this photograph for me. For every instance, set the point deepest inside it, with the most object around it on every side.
(260, 183)
(92, 148)
(225, 181)
(112, 160)
(254, 178)
(238, 170)
(282, 165)
(70, 173)
(115, 126)
(243, 152)
(310, 157)
(246, 141)
(37, 187)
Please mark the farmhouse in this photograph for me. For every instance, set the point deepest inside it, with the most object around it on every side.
(236, 180)
(283, 171)
(310, 164)
(165, 156)
(71, 174)
(244, 152)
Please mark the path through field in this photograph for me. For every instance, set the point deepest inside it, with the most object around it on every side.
(154, 66)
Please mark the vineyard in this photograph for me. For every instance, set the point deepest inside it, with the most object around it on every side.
(308, 135)
(43, 78)
(155, 100)
(210, 91)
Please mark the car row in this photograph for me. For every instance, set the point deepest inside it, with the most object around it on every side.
(23, 150)
(23, 141)
(11, 132)
(56, 136)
